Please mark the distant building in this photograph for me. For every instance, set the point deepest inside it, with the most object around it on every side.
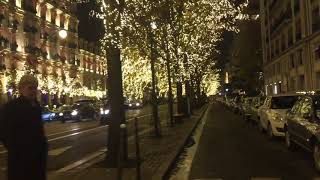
(30, 43)
(290, 41)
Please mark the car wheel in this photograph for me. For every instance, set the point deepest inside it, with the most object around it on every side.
(288, 141)
(316, 155)
(269, 130)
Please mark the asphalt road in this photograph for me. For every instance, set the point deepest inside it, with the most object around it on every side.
(231, 149)
(71, 142)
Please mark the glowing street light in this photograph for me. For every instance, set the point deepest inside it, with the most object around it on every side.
(63, 34)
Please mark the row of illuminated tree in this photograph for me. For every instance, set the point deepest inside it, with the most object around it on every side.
(161, 44)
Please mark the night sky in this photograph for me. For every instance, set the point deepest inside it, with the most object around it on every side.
(90, 28)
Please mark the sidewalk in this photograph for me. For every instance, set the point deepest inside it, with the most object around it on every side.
(157, 155)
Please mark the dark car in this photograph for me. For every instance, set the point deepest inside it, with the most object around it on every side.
(63, 113)
(135, 104)
(104, 113)
(303, 126)
(84, 110)
(47, 114)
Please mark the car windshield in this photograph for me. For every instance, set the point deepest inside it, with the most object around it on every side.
(63, 108)
(283, 102)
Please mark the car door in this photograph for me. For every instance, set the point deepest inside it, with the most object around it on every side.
(303, 120)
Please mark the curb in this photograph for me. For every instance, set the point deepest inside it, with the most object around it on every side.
(181, 148)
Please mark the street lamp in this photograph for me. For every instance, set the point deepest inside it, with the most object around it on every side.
(63, 33)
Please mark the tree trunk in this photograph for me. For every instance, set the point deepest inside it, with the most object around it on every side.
(188, 95)
(117, 114)
(153, 93)
(179, 97)
(170, 98)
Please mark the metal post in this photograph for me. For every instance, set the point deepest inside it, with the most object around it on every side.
(138, 171)
(120, 158)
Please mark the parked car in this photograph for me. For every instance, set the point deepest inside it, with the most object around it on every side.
(84, 110)
(47, 114)
(303, 126)
(272, 114)
(246, 107)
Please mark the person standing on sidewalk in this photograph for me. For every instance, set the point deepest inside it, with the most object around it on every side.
(23, 134)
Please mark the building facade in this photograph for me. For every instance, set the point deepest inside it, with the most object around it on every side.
(30, 43)
(291, 45)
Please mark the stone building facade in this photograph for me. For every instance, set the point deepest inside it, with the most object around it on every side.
(30, 43)
(291, 45)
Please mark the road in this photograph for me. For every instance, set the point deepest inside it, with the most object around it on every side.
(71, 142)
(231, 149)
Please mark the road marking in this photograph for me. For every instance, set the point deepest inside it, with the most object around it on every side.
(58, 151)
(94, 155)
(85, 131)
(75, 129)
(77, 133)
(82, 161)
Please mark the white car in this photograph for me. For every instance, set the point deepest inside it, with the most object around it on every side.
(272, 114)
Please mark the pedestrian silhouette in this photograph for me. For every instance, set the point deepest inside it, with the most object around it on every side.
(23, 135)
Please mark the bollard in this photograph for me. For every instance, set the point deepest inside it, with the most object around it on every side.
(119, 169)
(138, 171)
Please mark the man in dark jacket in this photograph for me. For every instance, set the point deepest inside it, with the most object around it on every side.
(23, 134)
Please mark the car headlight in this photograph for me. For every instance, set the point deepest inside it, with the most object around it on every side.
(130, 105)
(53, 114)
(137, 104)
(277, 118)
(101, 112)
(74, 113)
(60, 114)
(107, 111)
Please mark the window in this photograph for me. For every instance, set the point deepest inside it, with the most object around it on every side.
(292, 61)
(300, 57)
(301, 82)
(292, 84)
(298, 30)
(318, 80)
(305, 108)
(315, 19)
(283, 102)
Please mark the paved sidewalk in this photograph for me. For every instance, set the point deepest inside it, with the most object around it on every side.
(157, 155)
